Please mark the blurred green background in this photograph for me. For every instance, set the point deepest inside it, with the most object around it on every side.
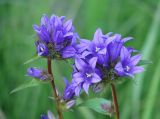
(138, 99)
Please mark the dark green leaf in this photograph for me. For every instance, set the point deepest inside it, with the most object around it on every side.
(31, 83)
(144, 62)
(99, 105)
(32, 59)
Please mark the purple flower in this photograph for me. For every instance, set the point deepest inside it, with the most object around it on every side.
(68, 91)
(86, 74)
(56, 38)
(96, 47)
(104, 47)
(42, 50)
(127, 64)
(37, 73)
(103, 60)
(48, 116)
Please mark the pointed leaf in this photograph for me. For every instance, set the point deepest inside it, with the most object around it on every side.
(31, 83)
(99, 105)
(32, 59)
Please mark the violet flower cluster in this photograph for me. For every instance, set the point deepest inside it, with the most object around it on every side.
(97, 62)
(56, 38)
(100, 61)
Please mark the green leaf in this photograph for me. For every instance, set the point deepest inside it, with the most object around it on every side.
(99, 105)
(144, 62)
(31, 83)
(32, 59)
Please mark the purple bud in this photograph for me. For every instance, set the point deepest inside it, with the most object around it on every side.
(44, 116)
(48, 116)
(70, 104)
(42, 50)
(37, 73)
(69, 91)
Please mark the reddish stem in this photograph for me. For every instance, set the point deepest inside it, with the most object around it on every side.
(115, 100)
(54, 89)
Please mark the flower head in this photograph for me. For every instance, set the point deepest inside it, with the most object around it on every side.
(85, 75)
(103, 60)
(56, 38)
(127, 64)
(37, 73)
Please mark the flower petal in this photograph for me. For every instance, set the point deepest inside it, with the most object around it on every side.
(68, 52)
(114, 50)
(119, 69)
(68, 34)
(77, 79)
(130, 75)
(127, 39)
(77, 90)
(80, 64)
(84, 44)
(109, 40)
(134, 60)
(68, 25)
(93, 62)
(86, 53)
(44, 20)
(86, 87)
(50, 115)
(124, 54)
(137, 69)
(102, 51)
(118, 37)
(95, 78)
(98, 37)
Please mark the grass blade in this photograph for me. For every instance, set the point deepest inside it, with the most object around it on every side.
(153, 90)
(146, 51)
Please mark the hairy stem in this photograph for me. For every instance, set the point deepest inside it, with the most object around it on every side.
(114, 96)
(54, 89)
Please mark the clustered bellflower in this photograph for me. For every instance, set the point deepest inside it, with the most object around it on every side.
(56, 37)
(102, 60)
(97, 62)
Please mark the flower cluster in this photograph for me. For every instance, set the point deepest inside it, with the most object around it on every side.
(102, 60)
(56, 38)
(97, 62)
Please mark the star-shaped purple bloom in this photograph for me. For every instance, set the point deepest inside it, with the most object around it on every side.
(86, 74)
(127, 64)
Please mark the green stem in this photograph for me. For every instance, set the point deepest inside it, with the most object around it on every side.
(114, 96)
(49, 61)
